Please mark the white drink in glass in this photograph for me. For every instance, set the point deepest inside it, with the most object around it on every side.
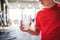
(26, 21)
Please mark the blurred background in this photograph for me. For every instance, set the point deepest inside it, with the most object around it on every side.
(11, 14)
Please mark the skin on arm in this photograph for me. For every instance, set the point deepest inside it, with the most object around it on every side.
(36, 32)
(32, 32)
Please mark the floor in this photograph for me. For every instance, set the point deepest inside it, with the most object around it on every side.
(14, 33)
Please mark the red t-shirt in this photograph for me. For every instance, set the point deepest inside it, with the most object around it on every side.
(48, 20)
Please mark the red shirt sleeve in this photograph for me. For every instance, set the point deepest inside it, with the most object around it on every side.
(37, 24)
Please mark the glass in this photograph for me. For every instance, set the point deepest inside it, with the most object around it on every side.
(26, 21)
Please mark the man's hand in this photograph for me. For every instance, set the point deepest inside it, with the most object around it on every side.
(36, 32)
(22, 27)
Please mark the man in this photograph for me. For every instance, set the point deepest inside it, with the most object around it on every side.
(47, 21)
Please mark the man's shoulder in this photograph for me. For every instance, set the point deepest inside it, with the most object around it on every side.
(40, 12)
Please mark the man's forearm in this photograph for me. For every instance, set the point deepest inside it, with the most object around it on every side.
(33, 32)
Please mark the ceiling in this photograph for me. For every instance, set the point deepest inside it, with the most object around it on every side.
(25, 0)
(24, 3)
(22, 0)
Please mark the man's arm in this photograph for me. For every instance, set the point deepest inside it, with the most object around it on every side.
(32, 32)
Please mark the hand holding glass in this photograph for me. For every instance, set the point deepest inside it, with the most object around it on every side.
(26, 22)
